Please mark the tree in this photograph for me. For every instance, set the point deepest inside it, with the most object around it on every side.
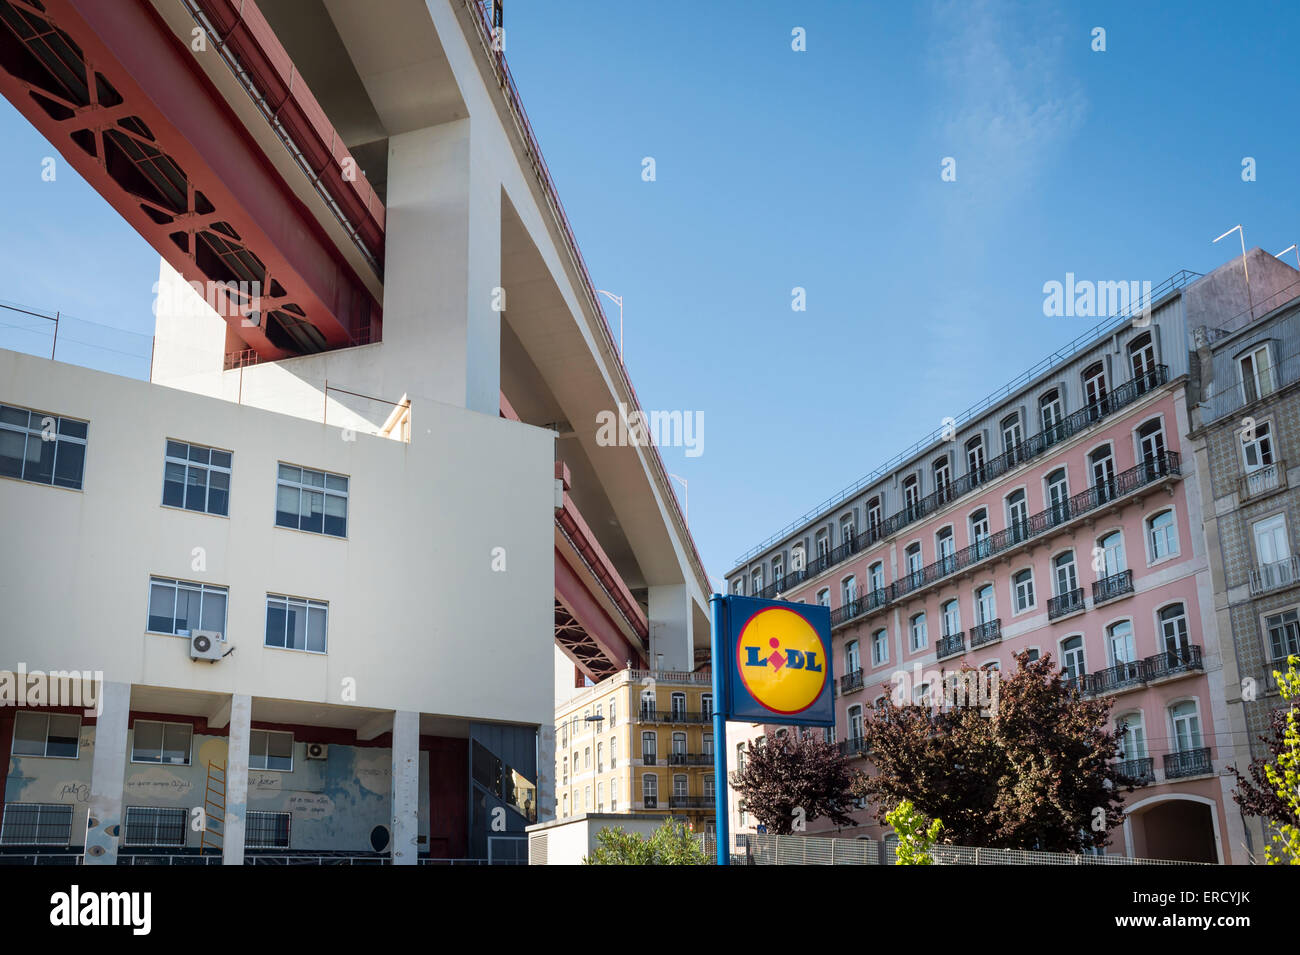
(790, 780)
(670, 844)
(914, 837)
(1037, 772)
(1283, 774)
(1254, 793)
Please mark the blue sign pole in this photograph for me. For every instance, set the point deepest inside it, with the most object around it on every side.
(721, 792)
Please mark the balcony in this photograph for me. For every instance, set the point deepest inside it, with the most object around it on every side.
(1112, 587)
(1116, 679)
(1173, 664)
(853, 746)
(1138, 772)
(682, 716)
(690, 759)
(1263, 481)
(1155, 470)
(851, 682)
(649, 759)
(951, 644)
(1066, 604)
(986, 633)
(1274, 576)
(691, 802)
(1191, 762)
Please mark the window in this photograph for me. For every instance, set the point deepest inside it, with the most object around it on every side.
(600, 757)
(586, 757)
(847, 530)
(1256, 368)
(42, 448)
(154, 826)
(1283, 634)
(738, 586)
(613, 795)
(824, 597)
(1257, 452)
(296, 624)
(36, 824)
(951, 618)
(1011, 433)
(565, 811)
(1072, 663)
(266, 830)
(1031, 654)
(942, 475)
(1132, 735)
(179, 607)
(852, 661)
(679, 706)
(979, 533)
(796, 557)
(161, 743)
(586, 798)
(1094, 390)
(312, 501)
(1271, 544)
(649, 748)
(873, 516)
(778, 572)
(650, 790)
(920, 638)
(1112, 546)
(848, 590)
(564, 734)
(1102, 463)
(706, 706)
(740, 757)
(1187, 726)
(1173, 628)
(1162, 533)
(680, 789)
(823, 545)
(986, 609)
(1018, 516)
(914, 565)
(613, 754)
(1119, 643)
(600, 797)
(47, 734)
(564, 772)
(709, 791)
(1142, 359)
(1067, 578)
(196, 478)
(1051, 414)
(1023, 587)
(879, 647)
(757, 580)
(946, 549)
(975, 458)
(855, 722)
(876, 575)
(268, 749)
(1058, 496)
(911, 494)
(708, 744)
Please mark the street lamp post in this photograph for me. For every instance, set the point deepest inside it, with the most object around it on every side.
(617, 300)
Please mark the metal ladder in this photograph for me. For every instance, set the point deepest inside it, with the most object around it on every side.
(214, 809)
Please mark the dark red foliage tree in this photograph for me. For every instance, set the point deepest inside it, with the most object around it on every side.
(787, 773)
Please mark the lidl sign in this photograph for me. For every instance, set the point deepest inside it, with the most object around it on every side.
(778, 662)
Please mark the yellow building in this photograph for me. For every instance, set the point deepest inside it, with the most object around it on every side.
(640, 741)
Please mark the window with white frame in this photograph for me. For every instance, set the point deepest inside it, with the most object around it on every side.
(1132, 735)
(266, 830)
(294, 623)
(564, 771)
(1051, 413)
(586, 757)
(179, 607)
(600, 797)
(155, 826)
(951, 618)
(911, 493)
(847, 532)
(1058, 495)
(1272, 548)
(778, 571)
(680, 786)
(852, 660)
(1162, 535)
(708, 744)
(709, 791)
(1257, 378)
(1094, 387)
(874, 518)
(1151, 445)
(154, 742)
(824, 596)
(879, 647)
(942, 474)
(42, 448)
(975, 457)
(36, 824)
(986, 606)
(1186, 726)
(1173, 630)
(269, 749)
(1283, 634)
(920, 636)
(796, 557)
(1011, 433)
(1142, 359)
(1257, 447)
(823, 544)
(1023, 587)
(946, 550)
(196, 478)
(1119, 643)
(55, 735)
(756, 579)
(1018, 515)
(650, 790)
(1066, 573)
(738, 586)
(848, 590)
(564, 813)
(876, 576)
(314, 501)
(586, 798)
(914, 565)
(649, 747)
(855, 722)
(613, 754)
(1072, 662)
(706, 705)
(600, 757)
(979, 533)
(613, 795)
(1112, 554)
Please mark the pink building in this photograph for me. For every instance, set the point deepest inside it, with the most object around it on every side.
(1061, 516)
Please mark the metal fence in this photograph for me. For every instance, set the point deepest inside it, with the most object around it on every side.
(816, 850)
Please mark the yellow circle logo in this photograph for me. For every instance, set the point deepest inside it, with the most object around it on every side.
(782, 660)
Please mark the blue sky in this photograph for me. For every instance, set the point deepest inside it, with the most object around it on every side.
(821, 169)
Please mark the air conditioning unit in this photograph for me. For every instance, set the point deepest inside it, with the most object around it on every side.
(207, 645)
(318, 751)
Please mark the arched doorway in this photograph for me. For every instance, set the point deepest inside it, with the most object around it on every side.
(1182, 827)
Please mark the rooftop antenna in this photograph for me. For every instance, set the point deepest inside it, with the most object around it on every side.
(1293, 245)
(1242, 232)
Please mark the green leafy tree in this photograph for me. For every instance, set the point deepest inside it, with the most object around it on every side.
(790, 780)
(1284, 777)
(914, 837)
(1038, 772)
(670, 844)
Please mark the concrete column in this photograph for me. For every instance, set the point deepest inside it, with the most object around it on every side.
(443, 267)
(405, 827)
(108, 775)
(232, 839)
(546, 772)
(671, 627)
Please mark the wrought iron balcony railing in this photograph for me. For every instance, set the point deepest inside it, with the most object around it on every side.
(1174, 662)
(951, 644)
(1066, 603)
(851, 681)
(682, 716)
(1112, 587)
(1190, 762)
(1140, 771)
(1275, 575)
(649, 759)
(853, 746)
(1122, 676)
(691, 802)
(983, 633)
(690, 759)
(974, 478)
